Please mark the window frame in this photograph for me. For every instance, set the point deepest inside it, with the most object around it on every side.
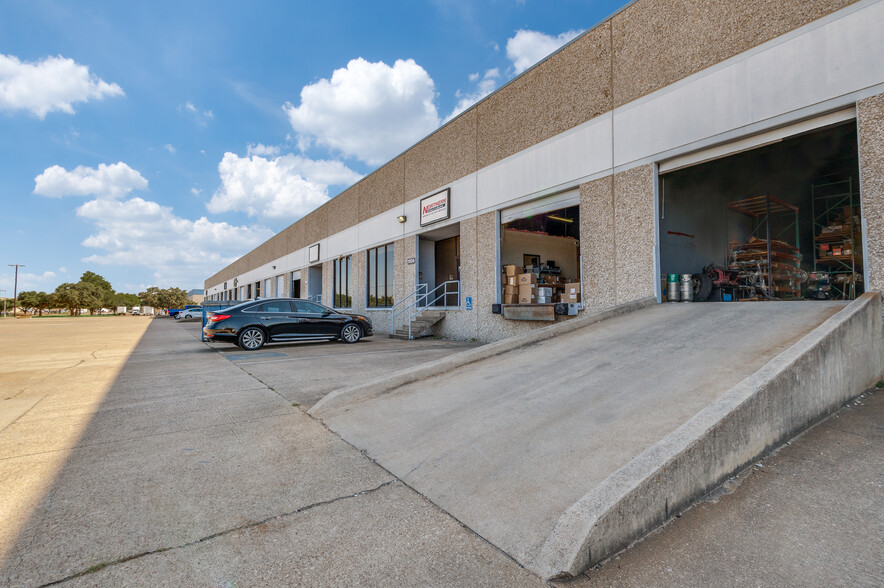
(342, 278)
(389, 284)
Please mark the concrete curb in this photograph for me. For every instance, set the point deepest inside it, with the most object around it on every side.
(835, 362)
(335, 401)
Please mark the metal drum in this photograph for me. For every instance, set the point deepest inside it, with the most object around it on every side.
(672, 288)
(687, 288)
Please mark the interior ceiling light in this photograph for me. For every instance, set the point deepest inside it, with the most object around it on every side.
(558, 218)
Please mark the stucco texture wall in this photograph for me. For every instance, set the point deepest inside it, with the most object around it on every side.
(634, 233)
(870, 123)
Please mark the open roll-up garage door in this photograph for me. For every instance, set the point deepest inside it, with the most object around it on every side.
(780, 220)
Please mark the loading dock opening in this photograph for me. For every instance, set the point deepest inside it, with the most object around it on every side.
(540, 257)
(778, 222)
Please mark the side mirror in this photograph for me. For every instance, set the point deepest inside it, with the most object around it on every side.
(326, 312)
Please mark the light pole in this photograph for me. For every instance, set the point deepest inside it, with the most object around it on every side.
(15, 290)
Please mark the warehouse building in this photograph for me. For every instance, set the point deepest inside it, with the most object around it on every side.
(744, 138)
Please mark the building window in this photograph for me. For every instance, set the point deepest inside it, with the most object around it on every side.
(257, 290)
(380, 277)
(248, 292)
(342, 278)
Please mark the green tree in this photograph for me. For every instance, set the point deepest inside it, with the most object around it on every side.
(91, 296)
(150, 297)
(67, 295)
(127, 300)
(104, 287)
(44, 302)
(27, 300)
(172, 298)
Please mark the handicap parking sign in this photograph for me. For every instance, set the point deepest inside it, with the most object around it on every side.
(469, 303)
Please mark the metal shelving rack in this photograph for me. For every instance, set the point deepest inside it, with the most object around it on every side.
(767, 250)
(832, 228)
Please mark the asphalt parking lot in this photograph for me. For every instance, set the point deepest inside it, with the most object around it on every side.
(132, 454)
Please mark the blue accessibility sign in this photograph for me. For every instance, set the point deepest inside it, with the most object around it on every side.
(469, 303)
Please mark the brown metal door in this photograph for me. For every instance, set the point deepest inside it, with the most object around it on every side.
(448, 268)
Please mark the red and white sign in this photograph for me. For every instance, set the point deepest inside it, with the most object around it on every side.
(436, 207)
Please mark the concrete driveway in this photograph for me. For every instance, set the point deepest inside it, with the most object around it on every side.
(509, 443)
(305, 372)
(118, 469)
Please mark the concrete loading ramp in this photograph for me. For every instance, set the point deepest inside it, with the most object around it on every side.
(563, 452)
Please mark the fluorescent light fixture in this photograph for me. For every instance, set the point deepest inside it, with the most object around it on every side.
(558, 218)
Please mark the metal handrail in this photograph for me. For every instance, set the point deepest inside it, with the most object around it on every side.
(421, 302)
(317, 298)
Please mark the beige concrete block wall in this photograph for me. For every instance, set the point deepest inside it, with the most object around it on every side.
(658, 42)
(328, 282)
(403, 274)
(598, 243)
(634, 233)
(870, 124)
(568, 89)
(445, 156)
(382, 190)
(463, 324)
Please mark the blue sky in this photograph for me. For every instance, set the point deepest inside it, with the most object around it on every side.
(155, 142)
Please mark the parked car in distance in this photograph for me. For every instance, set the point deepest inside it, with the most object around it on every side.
(175, 313)
(190, 313)
(254, 323)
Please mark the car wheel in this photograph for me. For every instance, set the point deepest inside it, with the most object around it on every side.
(251, 338)
(188, 316)
(351, 333)
(177, 316)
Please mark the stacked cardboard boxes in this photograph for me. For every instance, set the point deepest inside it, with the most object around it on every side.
(521, 287)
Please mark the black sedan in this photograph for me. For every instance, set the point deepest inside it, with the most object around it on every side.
(256, 322)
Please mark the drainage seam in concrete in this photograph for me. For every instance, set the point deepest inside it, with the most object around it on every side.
(99, 567)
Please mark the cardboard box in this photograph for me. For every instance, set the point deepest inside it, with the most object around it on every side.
(572, 292)
(528, 294)
(513, 299)
(544, 292)
(527, 279)
(512, 270)
(510, 290)
(512, 280)
(544, 300)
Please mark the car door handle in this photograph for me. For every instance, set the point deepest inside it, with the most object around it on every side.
(265, 318)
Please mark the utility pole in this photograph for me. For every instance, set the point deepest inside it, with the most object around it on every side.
(15, 291)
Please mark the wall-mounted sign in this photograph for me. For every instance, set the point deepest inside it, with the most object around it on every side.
(313, 254)
(410, 261)
(469, 303)
(436, 207)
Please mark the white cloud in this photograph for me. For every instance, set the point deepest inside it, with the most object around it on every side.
(526, 48)
(201, 117)
(261, 149)
(108, 181)
(170, 148)
(55, 83)
(180, 252)
(484, 87)
(195, 191)
(369, 111)
(45, 282)
(286, 187)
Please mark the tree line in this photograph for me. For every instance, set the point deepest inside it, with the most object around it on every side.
(93, 293)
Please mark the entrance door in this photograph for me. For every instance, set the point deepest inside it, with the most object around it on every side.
(296, 288)
(448, 269)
